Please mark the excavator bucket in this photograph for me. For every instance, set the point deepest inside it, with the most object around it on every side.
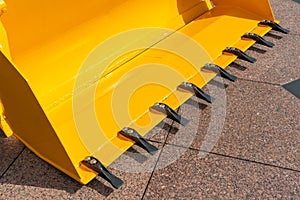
(81, 82)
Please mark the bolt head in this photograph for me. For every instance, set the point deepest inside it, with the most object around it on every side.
(88, 159)
(162, 105)
(130, 131)
(93, 161)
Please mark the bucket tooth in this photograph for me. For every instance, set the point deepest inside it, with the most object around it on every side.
(217, 69)
(171, 114)
(240, 54)
(258, 39)
(275, 26)
(132, 75)
(190, 87)
(95, 165)
(136, 137)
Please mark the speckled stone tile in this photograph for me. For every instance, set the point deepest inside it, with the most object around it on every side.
(202, 124)
(30, 177)
(10, 148)
(280, 64)
(287, 12)
(286, 67)
(218, 177)
(159, 133)
(274, 134)
(277, 65)
(261, 124)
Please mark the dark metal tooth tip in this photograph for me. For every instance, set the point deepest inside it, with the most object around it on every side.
(95, 165)
(275, 26)
(258, 39)
(240, 54)
(217, 69)
(136, 137)
(165, 109)
(196, 90)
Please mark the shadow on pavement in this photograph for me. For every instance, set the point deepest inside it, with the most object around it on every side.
(29, 170)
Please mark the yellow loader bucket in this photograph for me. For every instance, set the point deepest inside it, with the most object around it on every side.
(81, 82)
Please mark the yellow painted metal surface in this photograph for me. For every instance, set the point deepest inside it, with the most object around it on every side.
(45, 43)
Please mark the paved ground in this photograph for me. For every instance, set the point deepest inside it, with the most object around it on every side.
(256, 156)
